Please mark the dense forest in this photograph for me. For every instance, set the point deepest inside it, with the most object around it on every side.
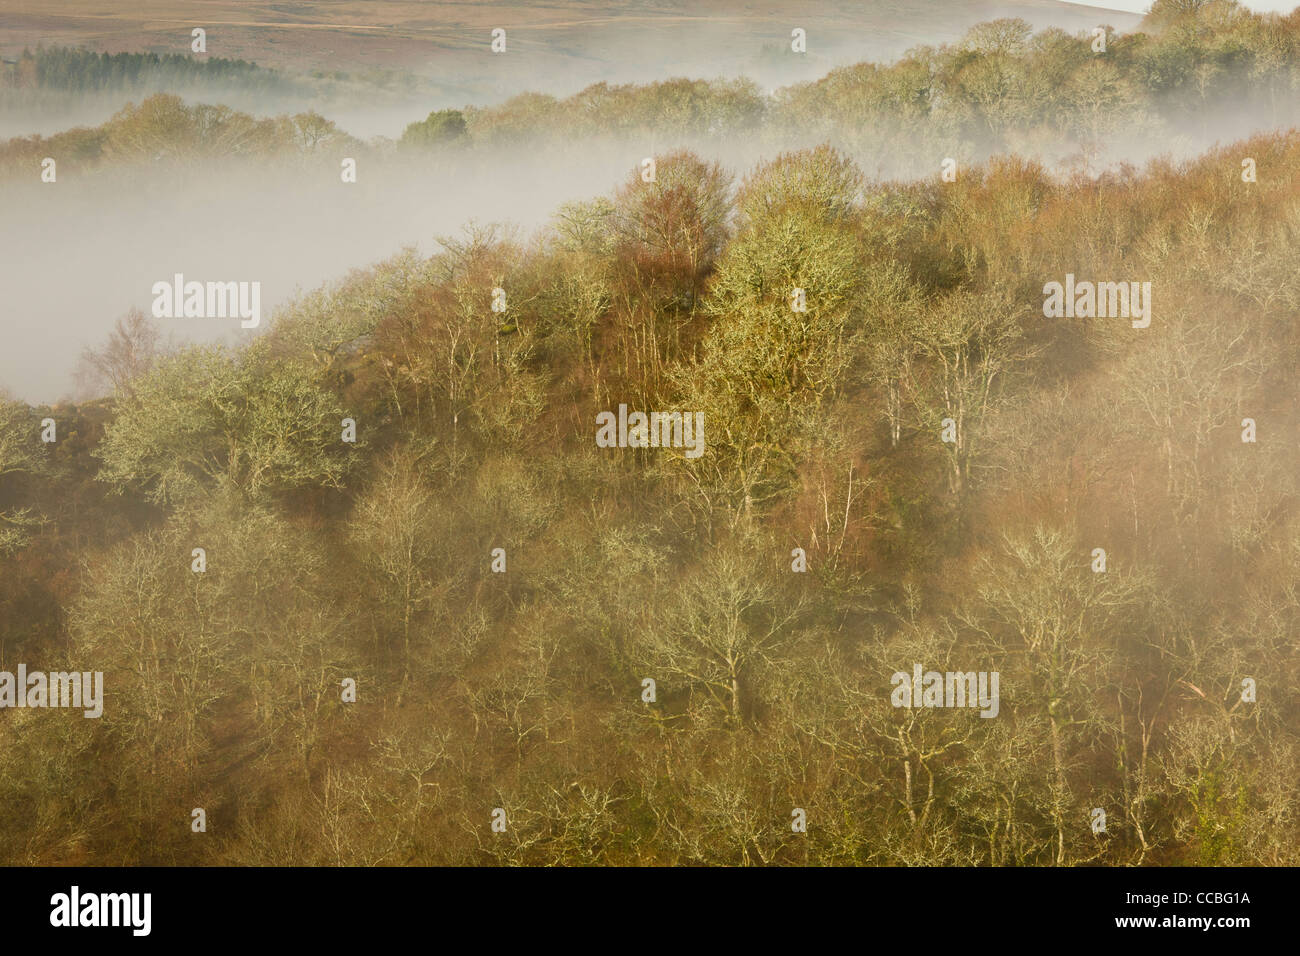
(66, 68)
(59, 80)
(390, 644)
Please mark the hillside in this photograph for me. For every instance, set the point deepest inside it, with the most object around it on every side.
(898, 468)
(920, 469)
(559, 46)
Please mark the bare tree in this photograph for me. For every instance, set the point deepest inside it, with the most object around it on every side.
(129, 351)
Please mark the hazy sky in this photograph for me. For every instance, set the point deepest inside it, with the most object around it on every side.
(1141, 6)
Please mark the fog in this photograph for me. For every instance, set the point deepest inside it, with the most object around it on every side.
(386, 80)
(77, 254)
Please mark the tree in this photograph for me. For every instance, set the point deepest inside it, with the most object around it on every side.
(19, 454)
(129, 352)
(1101, 101)
(1060, 626)
(722, 628)
(394, 534)
(313, 132)
(1007, 37)
(204, 419)
(969, 342)
(439, 128)
(668, 232)
(766, 365)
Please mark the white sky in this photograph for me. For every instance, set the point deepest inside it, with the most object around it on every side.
(1141, 6)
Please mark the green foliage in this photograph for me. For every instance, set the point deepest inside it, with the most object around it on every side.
(204, 419)
(66, 68)
(439, 128)
(18, 456)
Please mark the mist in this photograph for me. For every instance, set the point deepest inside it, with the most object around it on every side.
(104, 240)
(78, 254)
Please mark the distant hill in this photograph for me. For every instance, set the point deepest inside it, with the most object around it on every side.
(561, 45)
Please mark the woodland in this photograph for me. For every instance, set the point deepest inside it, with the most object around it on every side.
(943, 459)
